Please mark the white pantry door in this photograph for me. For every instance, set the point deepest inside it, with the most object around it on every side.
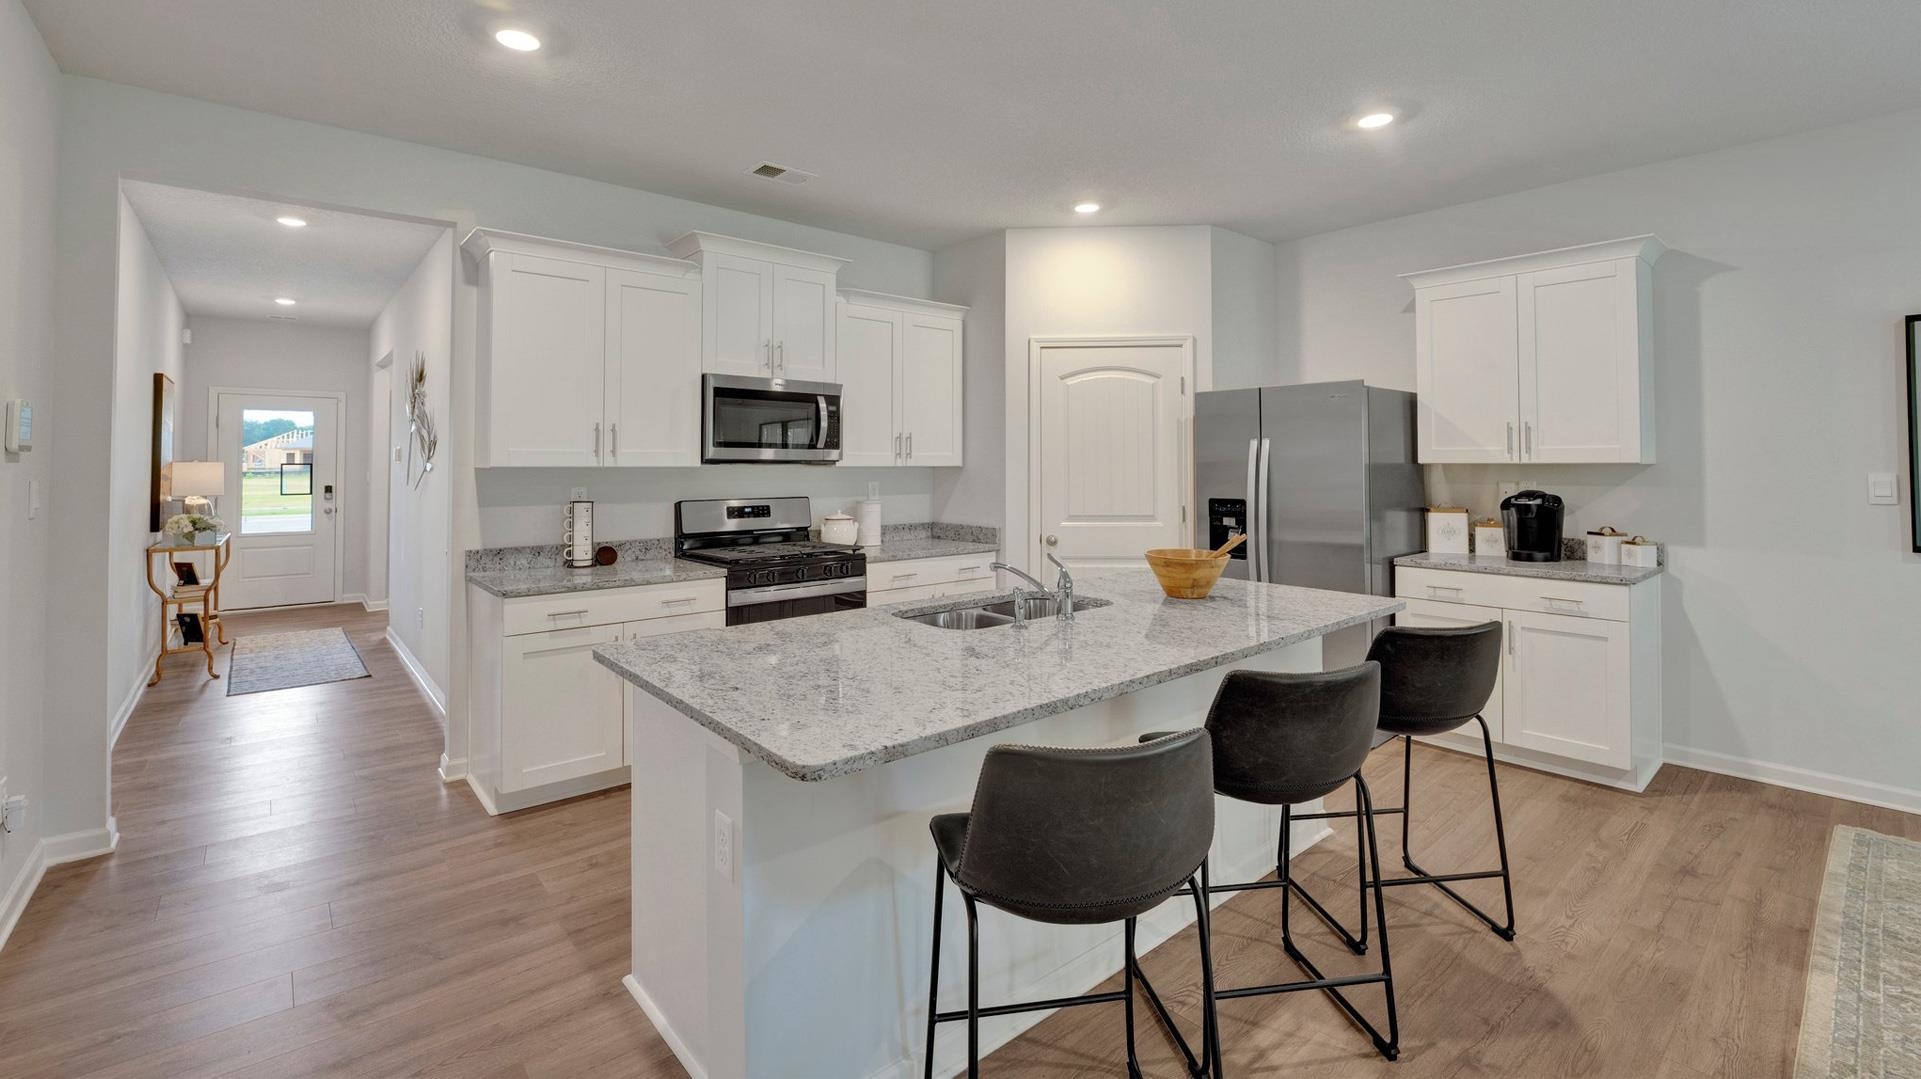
(282, 453)
(1111, 450)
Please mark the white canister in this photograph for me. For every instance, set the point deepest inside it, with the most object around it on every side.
(1604, 546)
(870, 523)
(839, 528)
(1446, 530)
(1640, 551)
(1490, 538)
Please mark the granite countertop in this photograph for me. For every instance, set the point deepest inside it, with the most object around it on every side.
(899, 550)
(1565, 570)
(833, 694)
(554, 580)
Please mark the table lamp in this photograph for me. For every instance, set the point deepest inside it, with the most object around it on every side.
(195, 482)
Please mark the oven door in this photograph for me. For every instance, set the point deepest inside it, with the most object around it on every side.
(747, 605)
(769, 419)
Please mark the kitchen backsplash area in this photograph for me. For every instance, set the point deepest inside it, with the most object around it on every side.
(1596, 496)
(549, 555)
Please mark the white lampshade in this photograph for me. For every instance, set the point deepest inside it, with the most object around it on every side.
(199, 479)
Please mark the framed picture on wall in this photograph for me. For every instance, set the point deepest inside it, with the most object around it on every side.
(161, 482)
(1914, 432)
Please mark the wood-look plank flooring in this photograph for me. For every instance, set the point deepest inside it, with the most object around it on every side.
(296, 893)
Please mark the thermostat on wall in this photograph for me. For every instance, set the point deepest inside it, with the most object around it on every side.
(19, 426)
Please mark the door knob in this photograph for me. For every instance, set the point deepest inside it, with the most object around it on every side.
(1051, 540)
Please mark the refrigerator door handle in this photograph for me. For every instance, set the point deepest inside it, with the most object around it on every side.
(1267, 559)
(1252, 510)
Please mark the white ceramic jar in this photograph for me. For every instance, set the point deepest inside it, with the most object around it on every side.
(1490, 539)
(1604, 546)
(839, 528)
(1446, 530)
(1641, 551)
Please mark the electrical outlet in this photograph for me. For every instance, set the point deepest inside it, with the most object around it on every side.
(578, 494)
(723, 845)
(1509, 487)
(34, 503)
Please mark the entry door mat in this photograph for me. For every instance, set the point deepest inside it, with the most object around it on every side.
(1862, 1015)
(309, 657)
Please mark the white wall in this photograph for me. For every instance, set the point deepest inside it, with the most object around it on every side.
(418, 321)
(28, 114)
(975, 274)
(287, 356)
(147, 320)
(110, 130)
(1790, 624)
(1245, 345)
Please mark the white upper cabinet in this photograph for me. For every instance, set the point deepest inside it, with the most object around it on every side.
(769, 311)
(587, 356)
(1540, 358)
(900, 371)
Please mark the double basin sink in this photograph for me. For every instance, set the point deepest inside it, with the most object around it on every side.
(999, 612)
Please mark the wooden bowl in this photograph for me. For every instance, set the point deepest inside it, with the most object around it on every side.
(1186, 572)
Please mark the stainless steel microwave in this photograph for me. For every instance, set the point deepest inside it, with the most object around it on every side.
(769, 420)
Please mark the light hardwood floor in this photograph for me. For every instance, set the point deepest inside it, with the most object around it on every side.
(297, 894)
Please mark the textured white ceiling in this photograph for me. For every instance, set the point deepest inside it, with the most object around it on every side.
(932, 122)
(228, 258)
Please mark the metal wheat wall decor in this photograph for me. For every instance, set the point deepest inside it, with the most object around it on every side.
(425, 439)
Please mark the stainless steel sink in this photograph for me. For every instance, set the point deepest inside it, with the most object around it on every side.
(962, 618)
(999, 612)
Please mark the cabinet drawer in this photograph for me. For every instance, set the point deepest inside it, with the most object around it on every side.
(1580, 599)
(920, 572)
(610, 606)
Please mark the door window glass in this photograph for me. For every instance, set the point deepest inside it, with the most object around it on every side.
(276, 471)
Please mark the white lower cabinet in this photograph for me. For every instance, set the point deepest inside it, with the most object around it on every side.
(545, 718)
(1579, 690)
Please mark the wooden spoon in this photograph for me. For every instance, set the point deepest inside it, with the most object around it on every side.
(1221, 551)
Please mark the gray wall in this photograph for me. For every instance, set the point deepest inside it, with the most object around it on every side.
(1792, 609)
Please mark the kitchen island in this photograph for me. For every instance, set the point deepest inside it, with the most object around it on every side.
(784, 774)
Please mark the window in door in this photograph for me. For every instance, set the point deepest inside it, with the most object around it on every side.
(276, 471)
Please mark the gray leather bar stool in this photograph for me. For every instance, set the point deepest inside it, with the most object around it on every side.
(1282, 739)
(1435, 680)
(1078, 837)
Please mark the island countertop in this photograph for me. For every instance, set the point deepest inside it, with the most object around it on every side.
(830, 695)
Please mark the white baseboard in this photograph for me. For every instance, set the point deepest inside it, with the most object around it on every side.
(452, 769)
(373, 604)
(78, 846)
(418, 673)
(131, 702)
(667, 1034)
(14, 902)
(1905, 799)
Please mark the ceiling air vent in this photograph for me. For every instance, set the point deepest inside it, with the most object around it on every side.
(767, 170)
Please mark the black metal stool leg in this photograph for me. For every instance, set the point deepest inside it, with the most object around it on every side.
(1355, 944)
(1390, 1047)
(973, 989)
(1133, 1060)
(1441, 880)
(1211, 1062)
(933, 972)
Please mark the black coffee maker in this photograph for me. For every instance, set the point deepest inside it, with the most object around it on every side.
(1533, 524)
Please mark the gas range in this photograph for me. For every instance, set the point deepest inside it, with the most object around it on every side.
(774, 568)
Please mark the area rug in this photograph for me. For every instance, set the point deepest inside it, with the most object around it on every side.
(309, 657)
(1862, 1016)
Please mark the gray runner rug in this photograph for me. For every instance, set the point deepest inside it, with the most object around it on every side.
(1862, 1015)
(309, 657)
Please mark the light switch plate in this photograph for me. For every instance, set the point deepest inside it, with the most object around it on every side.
(1881, 489)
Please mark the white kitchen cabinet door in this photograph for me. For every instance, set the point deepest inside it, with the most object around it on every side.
(739, 316)
(653, 369)
(869, 342)
(930, 390)
(803, 323)
(546, 362)
(1580, 363)
(1467, 369)
(1565, 686)
(561, 711)
(1423, 612)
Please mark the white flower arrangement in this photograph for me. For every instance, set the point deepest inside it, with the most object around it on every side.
(186, 525)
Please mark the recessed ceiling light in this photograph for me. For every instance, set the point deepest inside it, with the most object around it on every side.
(284, 301)
(1374, 120)
(1087, 207)
(291, 221)
(517, 40)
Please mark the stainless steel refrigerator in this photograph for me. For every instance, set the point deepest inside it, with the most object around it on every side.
(1321, 477)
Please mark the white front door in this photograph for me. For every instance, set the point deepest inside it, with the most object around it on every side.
(1112, 427)
(282, 453)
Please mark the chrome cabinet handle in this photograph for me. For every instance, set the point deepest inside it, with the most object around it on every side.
(676, 602)
(1433, 588)
(910, 445)
(780, 356)
(615, 430)
(596, 441)
(1510, 638)
(1510, 439)
(1558, 603)
(768, 345)
(567, 614)
(897, 452)
(1527, 438)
